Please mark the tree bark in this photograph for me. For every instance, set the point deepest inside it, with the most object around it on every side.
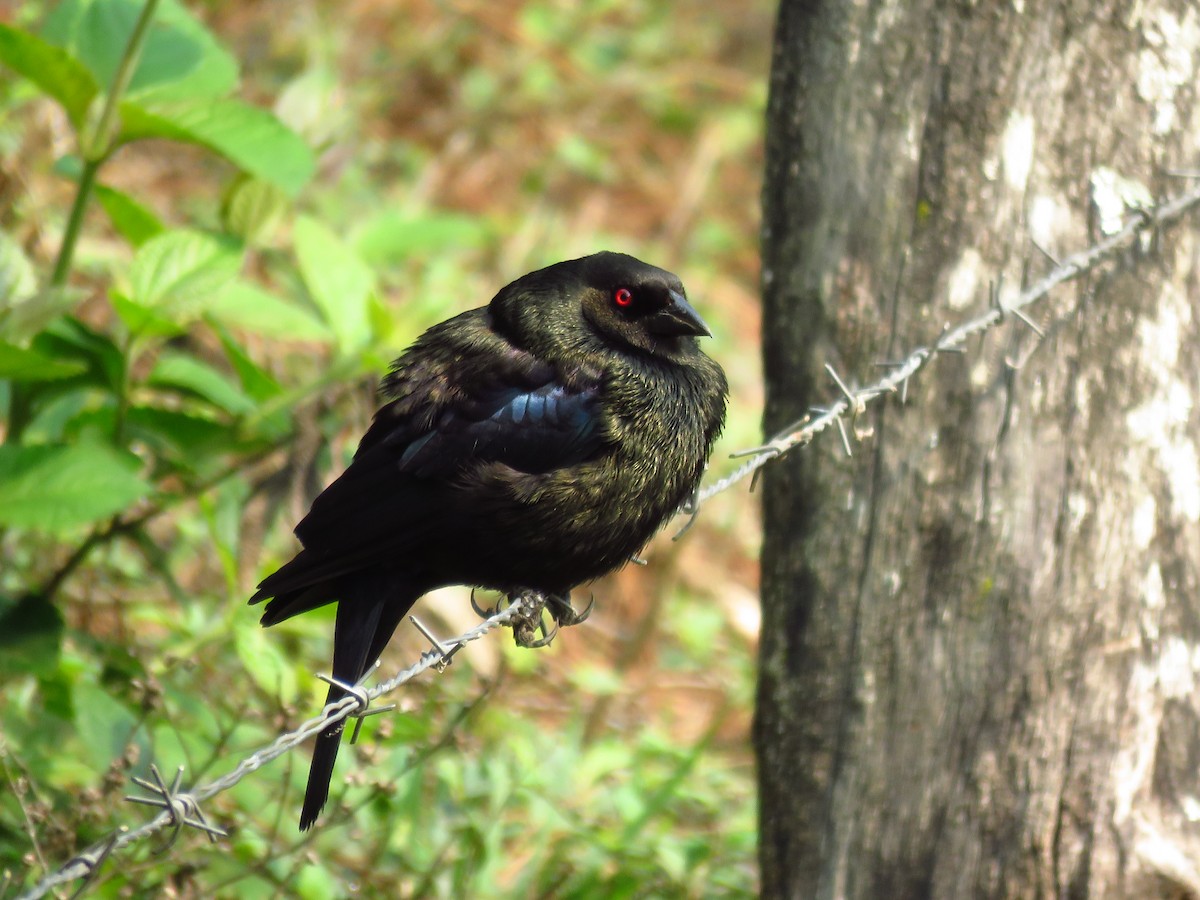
(981, 633)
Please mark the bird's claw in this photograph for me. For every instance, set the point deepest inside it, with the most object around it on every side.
(691, 509)
(564, 614)
(529, 622)
(483, 612)
(526, 638)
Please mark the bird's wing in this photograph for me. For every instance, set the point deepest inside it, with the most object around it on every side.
(531, 428)
(447, 417)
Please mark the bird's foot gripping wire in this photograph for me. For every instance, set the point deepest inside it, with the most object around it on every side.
(566, 615)
(530, 621)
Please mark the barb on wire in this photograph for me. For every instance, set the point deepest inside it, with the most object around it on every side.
(364, 708)
(447, 654)
(950, 340)
(857, 404)
(994, 288)
(182, 808)
(93, 866)
(1046, 253)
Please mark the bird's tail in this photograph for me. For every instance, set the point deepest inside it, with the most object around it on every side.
(369, 609)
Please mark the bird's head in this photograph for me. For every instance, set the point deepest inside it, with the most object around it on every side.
(604, 301)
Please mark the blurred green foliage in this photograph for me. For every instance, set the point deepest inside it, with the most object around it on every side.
(192, 311)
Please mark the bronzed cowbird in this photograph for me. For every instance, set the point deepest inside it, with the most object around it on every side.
(535, 443)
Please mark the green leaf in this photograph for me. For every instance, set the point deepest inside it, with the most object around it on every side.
(252, 209)
(143, 321)
(134, 222)
(216, 75)
(315, 882)
(313, 105)
(104, 32)
(264, 662)
(58, 488)
(181, 60)
(105, 725)
(68, 338)
(266, 425)
(175, 431)
(223, 510)
(179, 269)
(255, 380)
(177, 370)
(21, 321)
(60, 415)
(24, 310)
(17, 281)
(19, 364)
(248, 307)
(393, 237)
(249, 137)
(31, 631)
(411, 729)
(52, 69)
(340, 282)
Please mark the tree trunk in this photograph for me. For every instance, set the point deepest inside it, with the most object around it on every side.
(981, 633)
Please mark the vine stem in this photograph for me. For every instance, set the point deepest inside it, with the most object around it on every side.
(96, 144)
(62, 265)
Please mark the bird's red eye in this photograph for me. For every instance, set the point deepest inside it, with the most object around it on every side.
(623, 297)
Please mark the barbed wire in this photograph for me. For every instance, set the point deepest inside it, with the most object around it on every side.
(950, 340)
(181, 809)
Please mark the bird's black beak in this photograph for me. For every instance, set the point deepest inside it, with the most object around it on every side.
(676, 318)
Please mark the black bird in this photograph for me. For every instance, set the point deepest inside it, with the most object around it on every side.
(533, 444)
